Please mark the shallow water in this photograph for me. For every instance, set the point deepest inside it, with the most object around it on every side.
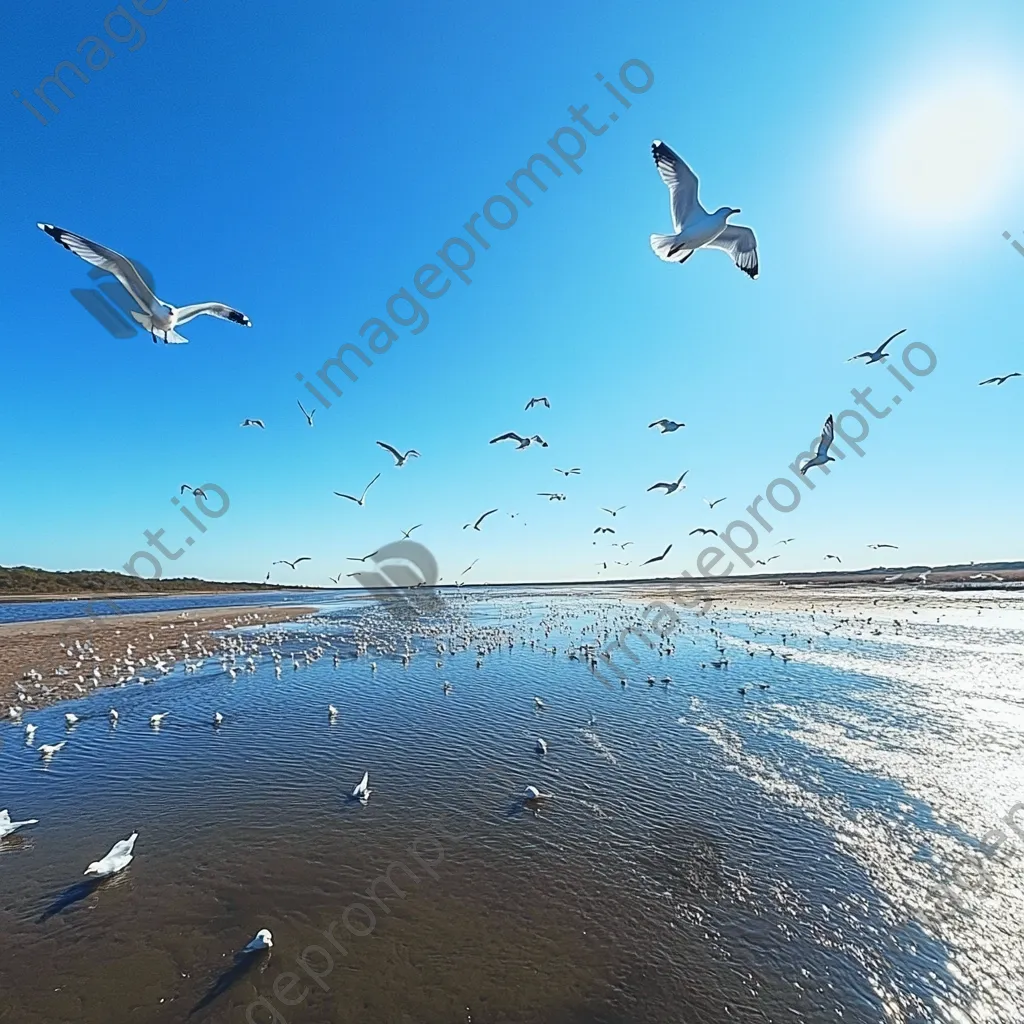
(31, 611)
(706, 855)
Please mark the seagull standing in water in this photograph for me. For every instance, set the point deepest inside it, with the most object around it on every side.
(828, 435)
(157, 316)
(879, 353)
(262, 940)
(7, 827)
(118, 859)
(362, 790)
(533, 793)
(694, 227)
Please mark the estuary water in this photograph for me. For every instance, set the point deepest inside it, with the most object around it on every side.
(706, 854)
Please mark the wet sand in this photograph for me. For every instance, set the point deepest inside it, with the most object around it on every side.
(43, 646)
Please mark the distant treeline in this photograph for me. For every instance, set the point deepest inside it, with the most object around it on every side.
(21, 579)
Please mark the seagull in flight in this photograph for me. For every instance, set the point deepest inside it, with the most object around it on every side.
(400, 459)
(657, 558)
(703, 531)
(336, 580)
(197, 491)
(877, 546)
(712, 504)
(694, 227)
(879, 353)
(623, 545)
(788, 540)
(157, 315)
(670, 488)
(405, 533)
(538, 401)
(524, 442)
(309, 415)
(284, 561)
(976, 576)
(613, 511)
(363, 559)
(828, 435)
(361, 500)
(551, 495)
(836, 557)
(470, 566)
(998, 380)
(476, 525)
(575, 471)
(254, 423)
(604, 529)
(667, 426)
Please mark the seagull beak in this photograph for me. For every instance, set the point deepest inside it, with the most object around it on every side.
(731, 212)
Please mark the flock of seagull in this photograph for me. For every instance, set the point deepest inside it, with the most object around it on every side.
(694, 228)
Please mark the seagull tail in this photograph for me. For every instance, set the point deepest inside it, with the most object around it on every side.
(174, 338)
(666, 248)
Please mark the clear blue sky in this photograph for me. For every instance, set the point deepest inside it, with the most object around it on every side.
(302, 163)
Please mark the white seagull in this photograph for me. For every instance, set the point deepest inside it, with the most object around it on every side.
(695, 228)
(156, 315)
(254, 423)
(70, 719)
(261, 940)
(7, 826)
(542, 747)
(362, 791)
(114, 716)
(49, 749)
(157, 720)
(533, 793)
(217, 718)
(667, 426)
(118, 859)
(828, 434)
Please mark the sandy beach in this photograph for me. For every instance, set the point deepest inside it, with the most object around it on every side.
(43, 647)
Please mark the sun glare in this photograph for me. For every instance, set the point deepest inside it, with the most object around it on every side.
(948, 152)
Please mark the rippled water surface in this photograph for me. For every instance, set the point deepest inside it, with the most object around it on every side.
(707, 855)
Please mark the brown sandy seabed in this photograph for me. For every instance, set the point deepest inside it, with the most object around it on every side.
(37, 645)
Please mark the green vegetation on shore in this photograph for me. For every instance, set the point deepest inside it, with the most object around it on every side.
(22, 579)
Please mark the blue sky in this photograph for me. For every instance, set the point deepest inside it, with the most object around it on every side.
(302, 164)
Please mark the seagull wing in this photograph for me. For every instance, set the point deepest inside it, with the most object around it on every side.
(657, 423)
(828, 434)
(510, 436)
(112, 262)
(349, 496)
(681, 182)
(741, 245)
(394, 451)
(476, 525)
(370, 484)
(217, 309)
(881, 348)
(305, 558)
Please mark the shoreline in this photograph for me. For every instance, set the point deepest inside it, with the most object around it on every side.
(36, 646)
(127, 595)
